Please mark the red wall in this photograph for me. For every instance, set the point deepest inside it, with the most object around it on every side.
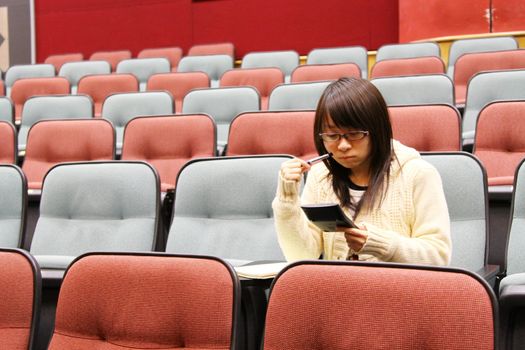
(86, 26)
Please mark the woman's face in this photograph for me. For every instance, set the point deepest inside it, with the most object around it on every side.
(352, 154)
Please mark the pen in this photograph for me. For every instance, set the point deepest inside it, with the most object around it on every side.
(319, 158)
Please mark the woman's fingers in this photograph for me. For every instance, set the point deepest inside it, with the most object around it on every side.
(293, 169)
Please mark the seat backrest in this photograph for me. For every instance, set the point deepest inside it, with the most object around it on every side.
(286, 61)
(223, 207)
(222, 104)
(463, 46)
(101, 86)
(143, 68)
(13, 206)
(296, 96)
(122, 107)
(113, 57)
(27, 71)
(416, 89)
(467, 65)
(400, 307)
(52, 107)
(465, 185)
(407, 66)
(319, 72)
(20, 290)
(336, 55)
(407, 50)
(59, 60)
(286, 132)
(51, 142)
(74, 71)
(427, 128)
(212, 49)
(514, 257)
(23, 89)
(169, 142)
(499, 142)
(178, 84)
(2, 88)
(8, 143)
(96, 206)
(264, 80)
(173, 54)
(7, 109)
(213, 65)
(167, 302)
(486, 87)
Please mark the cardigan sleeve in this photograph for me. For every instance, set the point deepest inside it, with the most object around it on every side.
(298, 237)
(429, 241)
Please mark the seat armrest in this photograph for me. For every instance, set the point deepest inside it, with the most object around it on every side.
(489, 273)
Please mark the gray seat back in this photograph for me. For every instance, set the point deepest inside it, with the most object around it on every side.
(463, 46)
(213, 65)
(286, 61)
(416, 90)
(223, 207)
(410, 50)
(296, 96)
(74, 71)
(7, 110)
(52, 107)
(143, 68)
(336, 55)
(222, 104)
(13, 203)
(515, 256)
(122, 107)
(486, 87)
(97, 206)
(465, 185)
(27, 71)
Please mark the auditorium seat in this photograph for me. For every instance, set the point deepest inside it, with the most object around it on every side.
(296, 96)
(20, 292)
(407, 66)
(50, 142)
(2, 88)
(336, 55)
(213, 65)
(364, 305)
(168, 142)
(13, 208)
(416, 89)
(8, 143)
(143, 68)
(96, 206)
(59, 60)
(319, 72)
(264, 80)
(486, 87)
(463, 46)
(178, 84)
(52, 107)
(212, 49)
(222, 104)
(7, 110)
(113, 57)
(173, 54)
(74, 71)
(98, 87)
(122, 107)
(23, 89)
(223, 208)
(469, 64)
(286, 61)
(407, 50)
(27, 71)
(148, 301)
(427, 128)
(287, 132)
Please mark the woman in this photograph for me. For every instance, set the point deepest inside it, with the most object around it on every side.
(394, 196)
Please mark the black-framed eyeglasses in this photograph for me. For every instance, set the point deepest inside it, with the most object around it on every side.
(349, 136)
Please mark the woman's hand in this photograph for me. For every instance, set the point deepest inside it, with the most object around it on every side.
(355, 237)
(293, 169)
